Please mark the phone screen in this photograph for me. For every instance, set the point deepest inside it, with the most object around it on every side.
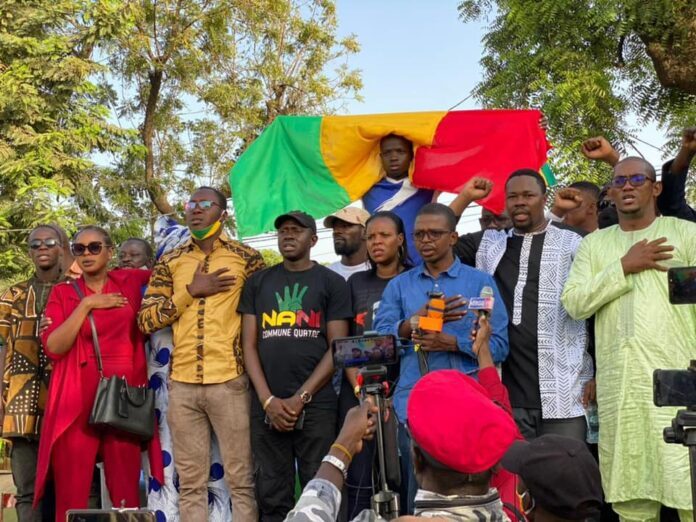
(682, 285)
(352, 352)
(674, 388)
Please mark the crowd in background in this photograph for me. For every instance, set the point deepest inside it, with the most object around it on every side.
(491, 411)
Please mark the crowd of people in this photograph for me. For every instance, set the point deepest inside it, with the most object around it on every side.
(490, 411)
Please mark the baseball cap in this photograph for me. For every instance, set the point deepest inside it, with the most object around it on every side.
(302, 218)
(453, 420)
(352, 215)
(560, 473)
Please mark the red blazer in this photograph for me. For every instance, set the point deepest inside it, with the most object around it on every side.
(65, 400)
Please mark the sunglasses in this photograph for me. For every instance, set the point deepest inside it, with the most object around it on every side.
(203, 205)
(435, 235)
(636, 180)
(94, 248)
(35, 244)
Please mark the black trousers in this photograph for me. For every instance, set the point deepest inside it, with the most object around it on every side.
(279, 454)
(24, 456)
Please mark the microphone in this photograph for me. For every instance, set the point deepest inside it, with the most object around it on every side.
(484, 303)
(432, 321)
(435, 312)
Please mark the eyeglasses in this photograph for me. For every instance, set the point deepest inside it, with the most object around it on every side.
(203, 205)
(636, 180)
(35, 244)
(435, 235)
(94, 248)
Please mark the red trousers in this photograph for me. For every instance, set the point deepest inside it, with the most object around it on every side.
(75, 452)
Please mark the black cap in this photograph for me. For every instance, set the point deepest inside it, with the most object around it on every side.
(302, 218)
(560, 473)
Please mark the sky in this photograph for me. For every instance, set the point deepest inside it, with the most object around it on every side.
(415, 56)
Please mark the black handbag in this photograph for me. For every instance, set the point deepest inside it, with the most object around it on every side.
(117, 405)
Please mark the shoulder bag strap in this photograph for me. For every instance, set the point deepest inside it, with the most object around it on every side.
(95, 339)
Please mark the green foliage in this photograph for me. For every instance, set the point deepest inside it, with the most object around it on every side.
(112, 110)
(203, 79)
(271, 257)
(589, 65)
(53, 116)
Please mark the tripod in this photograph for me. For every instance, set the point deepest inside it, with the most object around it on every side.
(372, 381)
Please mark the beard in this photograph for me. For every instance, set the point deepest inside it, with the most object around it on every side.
(344, 248)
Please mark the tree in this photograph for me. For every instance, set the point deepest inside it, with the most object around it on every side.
(271, 257)
(111, 111)
(204, 77)
(53, 116)
(590, 65)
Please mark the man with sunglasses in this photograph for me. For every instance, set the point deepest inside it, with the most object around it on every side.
(195, 288)
(619, 276)
(672, 199)
(404, 302)
(26, 369)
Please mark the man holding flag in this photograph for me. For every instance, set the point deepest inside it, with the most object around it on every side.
(322, 164)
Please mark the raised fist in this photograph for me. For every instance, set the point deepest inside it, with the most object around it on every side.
(567, 199)
(689, 139)
(477, 188)
(599, 149)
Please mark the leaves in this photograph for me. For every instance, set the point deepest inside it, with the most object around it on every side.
(589, 65)
(111, 110)
(53, 117)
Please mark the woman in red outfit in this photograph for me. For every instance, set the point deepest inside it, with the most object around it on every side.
(69, 445)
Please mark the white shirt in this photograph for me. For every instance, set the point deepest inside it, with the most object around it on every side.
(346, 271)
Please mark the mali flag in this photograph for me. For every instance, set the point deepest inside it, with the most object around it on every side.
(321, 164)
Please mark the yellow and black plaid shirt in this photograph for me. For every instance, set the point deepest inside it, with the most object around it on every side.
(207, 347)
(25, 380)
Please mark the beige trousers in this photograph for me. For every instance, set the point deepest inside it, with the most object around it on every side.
(193, 410)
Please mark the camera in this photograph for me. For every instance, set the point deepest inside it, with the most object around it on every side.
(678, 388)
(675, 387)
(371, 354)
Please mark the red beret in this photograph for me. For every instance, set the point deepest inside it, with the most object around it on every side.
(452, 419)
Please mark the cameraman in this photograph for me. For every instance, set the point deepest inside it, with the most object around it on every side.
(459, 436)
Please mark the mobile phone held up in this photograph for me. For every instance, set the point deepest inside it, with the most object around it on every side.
(365, 350)
(682, 285)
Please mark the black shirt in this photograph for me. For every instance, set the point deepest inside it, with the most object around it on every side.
(292, 310)
(366, 289)
(672, 199)
(521, 368)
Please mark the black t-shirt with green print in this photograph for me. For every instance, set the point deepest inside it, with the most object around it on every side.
(292, 310)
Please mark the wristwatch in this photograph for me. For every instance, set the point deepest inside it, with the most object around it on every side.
(306, 397)
(338, 464)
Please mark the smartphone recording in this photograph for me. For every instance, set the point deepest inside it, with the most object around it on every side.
(369, 350)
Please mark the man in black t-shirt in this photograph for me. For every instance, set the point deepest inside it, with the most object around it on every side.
(291, 313)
